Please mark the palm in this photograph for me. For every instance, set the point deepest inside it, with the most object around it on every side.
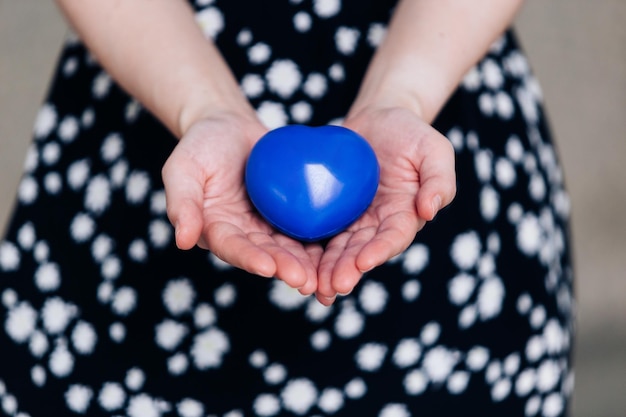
(416, 180)
(208, 204)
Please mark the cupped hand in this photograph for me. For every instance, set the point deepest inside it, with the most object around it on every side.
(208, 205)
(417, 179)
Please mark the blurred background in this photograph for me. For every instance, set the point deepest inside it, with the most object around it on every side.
(578, 51)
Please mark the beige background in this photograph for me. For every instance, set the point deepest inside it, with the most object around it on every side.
(578, 50)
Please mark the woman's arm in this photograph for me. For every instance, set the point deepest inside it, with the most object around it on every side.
(429, 47)
(158, 54)
(156, 51)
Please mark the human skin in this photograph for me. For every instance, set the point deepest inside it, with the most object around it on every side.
(188, 86)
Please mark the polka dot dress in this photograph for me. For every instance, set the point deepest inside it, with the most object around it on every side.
(101, 315)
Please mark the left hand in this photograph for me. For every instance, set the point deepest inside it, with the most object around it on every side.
(417, 179)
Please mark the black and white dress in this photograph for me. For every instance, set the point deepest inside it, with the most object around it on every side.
(101, 315)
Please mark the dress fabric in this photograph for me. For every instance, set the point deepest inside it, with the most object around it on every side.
(103, 316)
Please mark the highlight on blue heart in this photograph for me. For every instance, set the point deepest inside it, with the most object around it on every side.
(311, 182)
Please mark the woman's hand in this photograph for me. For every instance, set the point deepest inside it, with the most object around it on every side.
(417, 179)
(208, 205)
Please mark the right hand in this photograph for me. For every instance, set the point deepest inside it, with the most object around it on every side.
(208, 204)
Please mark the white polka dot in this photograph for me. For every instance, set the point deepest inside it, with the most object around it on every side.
(511, 364)
(487, 104)
(135, 379)
(169, 334)
(411, 290)
(467, 316)
(320, 340)
(52, 182)
(553, 405)
(326, 8)
(376, 34)
(20, 322)
(501, 389)
(9, 256)
(430, 333)
(56, 314)
(259, 53)
(484, 165)
(118, 173)
(117, 332)
(204, 315)
(112, 396)
(266, 405)
(9, 298)
(532, 406)
(489, 203)
(492, 74)
(38, 344)
(477, 358)
(336, 72)
(302, 21)
(471, 80)
(160, 233)
(456, 138)
(373, 297)
(38, 375)
(283, 78)
(137, 187)
(124, 301)
(460, 288)
(537, 317)
(504, 105)
(244, 37)
(415, 259)
(258, 359)
(28, 190)
(178, 296)
(514, 149)
(45, 121)
(61, 361)
(143, 406)
(211, 21)
(98, 194)
(349, 323)
(525, 382)
(355, 389)
(112, 147)
(505, 173)
(275, 374)
(111, 268)
(524, 303)
(346, 40)
(177, 364)
(466, 250)
(407, 353)
(370, 356)
(190, 408)
(51, 153)
(78, 398)
(272, 114)
(84, 338)
(331, 400)
(301, 112)
(77, 174)
(548, 375)
(299, 395)
(415, 382)
(457, 382)
(529, 235)
(252, 85)
(535, 348)
(490, 298)
(138, 250)
(438, 363)
(315, 85)
(225, 295)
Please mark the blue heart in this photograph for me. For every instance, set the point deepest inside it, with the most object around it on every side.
(311, 182)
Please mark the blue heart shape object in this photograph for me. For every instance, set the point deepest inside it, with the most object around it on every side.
(311, 182)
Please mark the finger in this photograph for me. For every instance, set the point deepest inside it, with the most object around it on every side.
(183, 195)
(437, 180)
(231, 245)
(325, 292)
(289, 267)
(347, 274)
(308, 259)
(394, 235)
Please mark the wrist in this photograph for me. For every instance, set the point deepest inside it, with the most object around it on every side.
(211, 104)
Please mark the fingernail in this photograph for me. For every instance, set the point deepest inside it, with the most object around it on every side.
(436, 204)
